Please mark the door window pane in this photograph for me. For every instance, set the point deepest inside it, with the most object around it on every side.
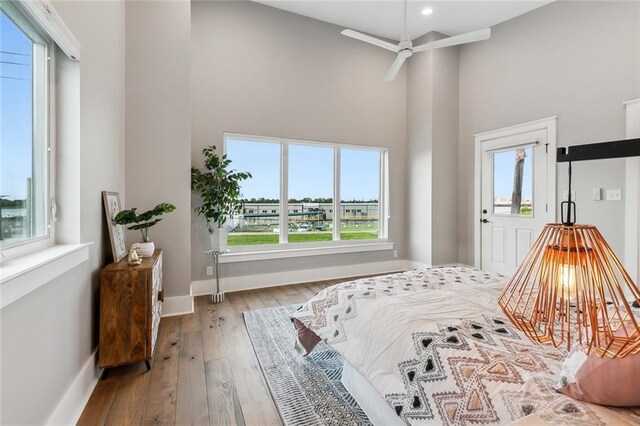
(310, 193)
(359, 194)
(513, 182)
(258, 224)
(23, 130)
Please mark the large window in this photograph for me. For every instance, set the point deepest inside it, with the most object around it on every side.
(306, 192)
(24, 130)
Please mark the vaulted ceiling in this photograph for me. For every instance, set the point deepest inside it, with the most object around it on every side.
(385, 18)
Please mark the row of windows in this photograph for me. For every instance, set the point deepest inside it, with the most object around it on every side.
(283, 169)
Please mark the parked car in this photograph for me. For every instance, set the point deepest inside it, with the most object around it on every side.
(305, 227)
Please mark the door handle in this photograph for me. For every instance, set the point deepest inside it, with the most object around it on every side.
(484, 221)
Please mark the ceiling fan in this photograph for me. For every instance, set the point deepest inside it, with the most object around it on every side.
(405, 48)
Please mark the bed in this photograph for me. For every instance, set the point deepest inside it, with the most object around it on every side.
(432, 346)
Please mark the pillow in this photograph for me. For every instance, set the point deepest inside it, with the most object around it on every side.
(603, 381)
(307, 339)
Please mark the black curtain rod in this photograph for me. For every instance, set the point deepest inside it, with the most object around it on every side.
(599, 151)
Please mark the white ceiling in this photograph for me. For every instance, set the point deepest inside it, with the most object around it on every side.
(385, 18)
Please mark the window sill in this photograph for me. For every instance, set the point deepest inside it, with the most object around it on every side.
(22, 275)
(288, 251)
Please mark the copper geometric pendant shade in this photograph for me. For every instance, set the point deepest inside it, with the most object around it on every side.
(572, 288)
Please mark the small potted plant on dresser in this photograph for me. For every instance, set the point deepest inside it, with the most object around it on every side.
(143, 222)
(219, 190)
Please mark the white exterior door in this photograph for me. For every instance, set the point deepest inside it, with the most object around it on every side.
(514, 200)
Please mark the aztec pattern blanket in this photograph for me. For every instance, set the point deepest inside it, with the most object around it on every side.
(436, 346)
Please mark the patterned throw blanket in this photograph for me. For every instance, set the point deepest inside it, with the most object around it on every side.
(436, 346)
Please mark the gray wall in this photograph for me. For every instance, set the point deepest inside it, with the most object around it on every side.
(263, 71)
(158, 127)
(48, 335)
(576, 60)
(419, 155)
(432, 149)
(445, 153)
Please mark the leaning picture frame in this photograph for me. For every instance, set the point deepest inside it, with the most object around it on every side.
(111, 202)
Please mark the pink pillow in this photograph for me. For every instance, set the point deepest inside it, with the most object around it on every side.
(603, 381)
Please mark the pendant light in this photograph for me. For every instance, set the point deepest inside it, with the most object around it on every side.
(571, 288)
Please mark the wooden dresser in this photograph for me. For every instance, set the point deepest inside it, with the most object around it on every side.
(130, 309)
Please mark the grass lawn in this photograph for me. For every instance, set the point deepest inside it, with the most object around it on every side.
(266, 238)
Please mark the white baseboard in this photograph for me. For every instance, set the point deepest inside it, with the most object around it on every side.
(252, 282)
(178, 305)
(70, 407)
(203, 287)
(416, 265)
(462, 265)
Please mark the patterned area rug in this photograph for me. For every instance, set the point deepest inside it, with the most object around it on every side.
(307, 391)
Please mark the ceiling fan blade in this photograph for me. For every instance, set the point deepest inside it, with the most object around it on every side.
(395, 67)
(370, 40)
(455, 40)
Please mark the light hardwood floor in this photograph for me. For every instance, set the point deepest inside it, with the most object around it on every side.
(204, 370)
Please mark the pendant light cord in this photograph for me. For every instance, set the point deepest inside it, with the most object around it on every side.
(569, 199)
(571, 205)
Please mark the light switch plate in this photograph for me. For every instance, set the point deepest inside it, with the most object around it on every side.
(209, 270)
(597, 194)
(614, 195)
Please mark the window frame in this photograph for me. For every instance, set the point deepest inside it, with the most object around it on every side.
(43, 110)
(283, 244)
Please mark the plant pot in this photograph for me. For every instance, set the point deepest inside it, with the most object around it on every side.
(146, 249)
(219, 239)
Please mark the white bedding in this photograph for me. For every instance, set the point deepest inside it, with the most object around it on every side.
(373, 405)
(436, 348)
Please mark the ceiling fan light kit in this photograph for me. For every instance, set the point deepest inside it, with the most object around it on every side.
(405, 48)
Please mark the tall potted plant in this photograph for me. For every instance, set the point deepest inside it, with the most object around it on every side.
(143, 222)
(219, 190)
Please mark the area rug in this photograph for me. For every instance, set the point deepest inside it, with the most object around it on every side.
(306, 390)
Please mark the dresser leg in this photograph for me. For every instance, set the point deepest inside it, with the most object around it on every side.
(148, 364)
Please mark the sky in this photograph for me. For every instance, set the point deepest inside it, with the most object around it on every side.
(15, 110)
(503, 169)
(310, 171)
